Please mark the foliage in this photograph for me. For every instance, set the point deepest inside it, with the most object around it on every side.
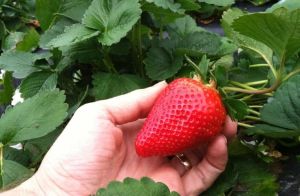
(145, 186)
(62, 54)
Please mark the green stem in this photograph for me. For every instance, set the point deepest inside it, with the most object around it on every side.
(252, 118)
(1, 159)
(139, 38)
(244, 125)
(265, 58)
(246, 97)
(14, 9)
(194, 66)
(108, 62)
(242, 85)
(137, 54)
(255, 106)
(281, 67)
(289, 143)
(161, 32)
(291, 74)
(256, 83)
(253, 112)
(259, 65)
(248, 91)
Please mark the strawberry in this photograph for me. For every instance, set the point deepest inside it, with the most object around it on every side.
(185, 114)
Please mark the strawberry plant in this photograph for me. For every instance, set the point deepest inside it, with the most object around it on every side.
(60, 54)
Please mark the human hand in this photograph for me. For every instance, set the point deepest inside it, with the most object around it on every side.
(97, 146)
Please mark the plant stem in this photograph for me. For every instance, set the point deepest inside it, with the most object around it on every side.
(255, 106)
(137, 48)
(252, 118)
(242, 85)
(108, 62)
(1, 159)
(161, 32)
(281, 67)
(253, 112)
(258, 65)
(288, 144)
(265, 58)
(194, 65)
(244, 125)
(291, 74)
(246, 97)
(248, 91)
(256, 83)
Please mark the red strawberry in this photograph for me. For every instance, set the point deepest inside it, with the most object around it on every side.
(185, 114)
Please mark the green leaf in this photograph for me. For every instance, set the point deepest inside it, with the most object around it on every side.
(245, 175)
(224, 183)
(130, 186)
(47, 110)
(7, 91)
(74, 9)
(221, 75)
(37, 82)
(227, 19)
(46, 10)
(223, 3)
(225, 61)
(203, 67)
(279, 30)
(189, 5)
(30, 41)
(199, 43)
(162, 63)
(87, 51)
(12, 40)
(3, 30)
(167, 4)
(13, 174)
(283, 108)
(288, 4)
(121, 48)
(73, 34)
(21, 63)
(237, 148)
(259, 2)
(107, 85)
(282, 112)
(227, 47)
(160, 15)
(272, 131)
(37, 148)
(241, 72)
(113, 18)
(241, 40)
(254, 177)
(19, 156)
(54, 31)
(77, 101)
(236, 109)
(183, 27)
